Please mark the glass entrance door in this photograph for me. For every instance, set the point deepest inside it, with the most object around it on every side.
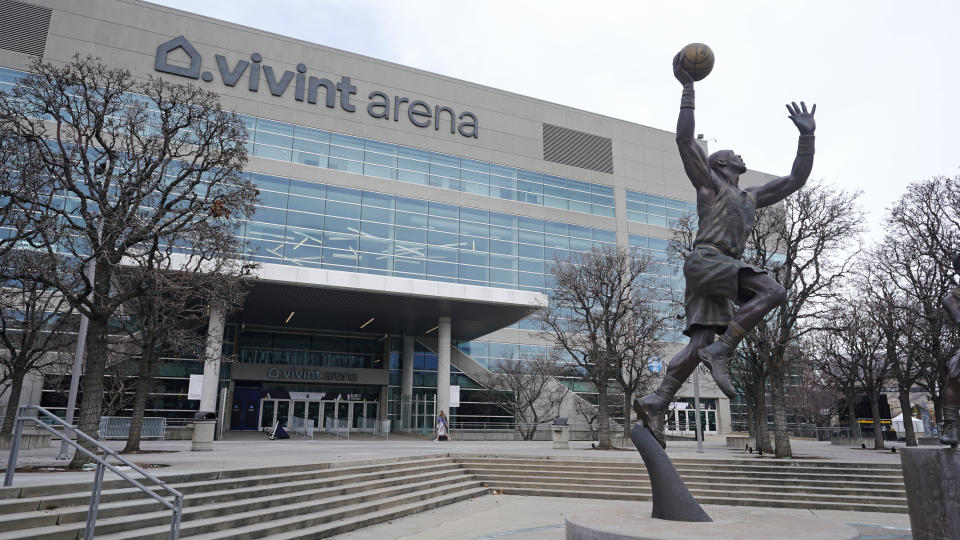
(268, 409)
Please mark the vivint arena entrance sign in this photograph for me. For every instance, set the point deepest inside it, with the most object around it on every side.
(305, 88)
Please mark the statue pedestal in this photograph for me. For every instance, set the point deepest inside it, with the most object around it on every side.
(932, 479)
(728, 523)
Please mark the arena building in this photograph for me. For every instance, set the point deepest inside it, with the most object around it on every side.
(407, 219)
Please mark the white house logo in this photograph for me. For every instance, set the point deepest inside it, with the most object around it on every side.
(308, 88)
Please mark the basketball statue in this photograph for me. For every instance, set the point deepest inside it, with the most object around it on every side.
(716, 276)
(697, 60)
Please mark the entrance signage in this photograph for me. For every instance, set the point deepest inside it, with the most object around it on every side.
(308, 374)
(307, 88)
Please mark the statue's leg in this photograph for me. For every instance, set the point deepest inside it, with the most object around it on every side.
(951, 404)
(653, 407)
(762, 294)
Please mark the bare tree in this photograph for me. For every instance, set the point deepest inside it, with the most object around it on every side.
(129, 167)
(896, 318)
(915, 258)
(527, 388)
(806, 243)
(593, 315)
(857, 349)
(35, 326)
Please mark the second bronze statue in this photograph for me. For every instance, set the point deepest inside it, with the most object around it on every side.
(716, 276)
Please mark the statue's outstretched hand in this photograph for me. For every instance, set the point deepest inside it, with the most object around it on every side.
(681, 74)
(801, 118)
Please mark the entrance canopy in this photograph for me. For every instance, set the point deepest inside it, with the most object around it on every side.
(355, 302)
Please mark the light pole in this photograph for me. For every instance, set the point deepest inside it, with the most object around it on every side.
(696, 409)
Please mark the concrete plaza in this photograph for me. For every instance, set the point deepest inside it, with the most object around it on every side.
(494, 516)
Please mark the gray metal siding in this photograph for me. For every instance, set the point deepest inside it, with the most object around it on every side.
(584, 150)
(23, 27)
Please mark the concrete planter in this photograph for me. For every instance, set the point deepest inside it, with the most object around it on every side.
(28, 441)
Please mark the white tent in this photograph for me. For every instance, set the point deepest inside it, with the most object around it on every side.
(898, 425)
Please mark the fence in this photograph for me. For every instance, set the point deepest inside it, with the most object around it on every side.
(118, 427)
(303, 426)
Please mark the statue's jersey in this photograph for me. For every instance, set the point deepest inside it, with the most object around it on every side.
(726, 224)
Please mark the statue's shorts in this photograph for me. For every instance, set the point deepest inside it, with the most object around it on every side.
(712, 281)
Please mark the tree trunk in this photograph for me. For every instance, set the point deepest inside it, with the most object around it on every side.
(875, 411)
(603, 417)
(778, 395)
(13, 403)
(144, 380)
(94, 365)
(760, 415)
(852, 417)
(627, 410)
(907, 412)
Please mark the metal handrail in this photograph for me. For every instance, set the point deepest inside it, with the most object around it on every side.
(176, 506)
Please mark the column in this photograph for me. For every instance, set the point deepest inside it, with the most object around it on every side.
(406, 388)
(383, 410)
(203, 431)
(443, 366)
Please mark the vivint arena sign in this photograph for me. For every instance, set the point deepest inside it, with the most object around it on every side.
(308, 88)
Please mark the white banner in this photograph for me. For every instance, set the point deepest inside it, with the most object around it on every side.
(454, 396)
(195, 389)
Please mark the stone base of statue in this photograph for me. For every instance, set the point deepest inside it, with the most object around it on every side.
(729, 522)
(932, 479)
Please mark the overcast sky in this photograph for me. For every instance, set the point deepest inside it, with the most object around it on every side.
(885, 75)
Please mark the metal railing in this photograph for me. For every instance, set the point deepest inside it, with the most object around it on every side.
(118, 427)
(176, 506)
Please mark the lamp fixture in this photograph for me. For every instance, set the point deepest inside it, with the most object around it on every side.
(362, 326)
(432, 329)
(290, 316)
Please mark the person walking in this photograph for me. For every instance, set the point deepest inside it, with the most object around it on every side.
(442, 430)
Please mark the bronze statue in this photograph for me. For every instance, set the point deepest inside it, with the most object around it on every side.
(714, 271)
(951, 390)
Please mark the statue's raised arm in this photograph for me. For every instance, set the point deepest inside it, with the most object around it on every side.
(778, 189)
(693, 157)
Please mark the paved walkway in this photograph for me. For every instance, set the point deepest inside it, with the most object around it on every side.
(484, 518)
(506, 517)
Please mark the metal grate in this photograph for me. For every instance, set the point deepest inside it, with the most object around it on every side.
(23, 27)
(584, 150)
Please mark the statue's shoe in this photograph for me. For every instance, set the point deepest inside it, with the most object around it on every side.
(948, 433)
(717, 358)
(652, 420)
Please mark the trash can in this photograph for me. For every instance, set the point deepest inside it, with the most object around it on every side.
(204, 425)
(561, 434)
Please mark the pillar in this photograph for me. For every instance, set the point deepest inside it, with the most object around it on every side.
(443, 366)
(406, 385)
(383, 411)
(203, 434)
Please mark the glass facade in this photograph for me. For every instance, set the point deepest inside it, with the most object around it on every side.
(328, 150)
(309, 224)
(657, 210)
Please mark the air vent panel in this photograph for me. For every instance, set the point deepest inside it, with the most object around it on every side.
(576, 148)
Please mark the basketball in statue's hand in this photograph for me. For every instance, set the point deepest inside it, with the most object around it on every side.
(697, 60)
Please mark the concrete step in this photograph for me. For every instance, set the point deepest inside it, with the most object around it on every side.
(632, 471)
(276, 482)
(733, 488)
(325, 487)
(331, 527)
(233, 499)
(734, 484)
(292, 518)
(795, 467)
(862, 506)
